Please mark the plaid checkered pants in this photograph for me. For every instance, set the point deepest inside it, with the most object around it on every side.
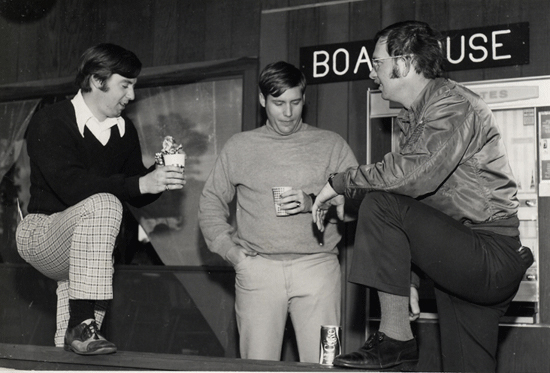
(75, 248)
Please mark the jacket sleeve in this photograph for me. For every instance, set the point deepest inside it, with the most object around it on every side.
(214, 210)
(428, 156)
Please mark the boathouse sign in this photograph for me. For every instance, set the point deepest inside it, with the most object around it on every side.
(474, 48)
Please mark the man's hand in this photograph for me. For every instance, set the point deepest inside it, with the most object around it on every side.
(326, 198)
(237, 254)
(295, 201)
(162, 178)
(414, 304)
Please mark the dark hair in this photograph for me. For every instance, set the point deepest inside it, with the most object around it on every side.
(104, 60)
(419, 40)
(277, 77)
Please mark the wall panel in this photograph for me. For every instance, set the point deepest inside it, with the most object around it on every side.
(130, 24)
(190, 45)
(273, 38)
(9, 42)
(29, 44)
(332, 101)
(305, 26)
(434, 13)
(462, 15)
(165, 32)
(395, 11)
(46, 45)
(245, 20)
(536, 12)
(217, 43)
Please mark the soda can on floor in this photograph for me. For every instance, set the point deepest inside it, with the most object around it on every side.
(331, 344)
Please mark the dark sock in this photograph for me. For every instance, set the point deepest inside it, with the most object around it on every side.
(395, 316)
(80, 310)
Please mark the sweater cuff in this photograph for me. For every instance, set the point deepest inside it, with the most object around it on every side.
(132, 186)
(222, 245)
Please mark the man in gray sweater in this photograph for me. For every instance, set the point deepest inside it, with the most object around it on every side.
(283, 265)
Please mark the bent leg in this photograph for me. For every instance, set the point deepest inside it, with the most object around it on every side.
(91, 259)
(469, 334)
(395, 230)
(477, 272)
(75, 248)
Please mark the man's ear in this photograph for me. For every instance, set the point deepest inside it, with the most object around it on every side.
(405, 69)
(262, 99)
(96, 82)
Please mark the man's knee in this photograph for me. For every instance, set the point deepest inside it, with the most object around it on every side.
(376, 201)
(105, 201)
(105, 205)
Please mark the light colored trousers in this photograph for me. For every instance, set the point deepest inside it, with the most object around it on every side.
(307, 288)
(75, 248)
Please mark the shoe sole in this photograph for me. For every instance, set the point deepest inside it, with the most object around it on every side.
(406, 365)
(99, 351)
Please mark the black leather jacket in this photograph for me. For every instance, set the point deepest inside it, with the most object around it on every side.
(451, 157)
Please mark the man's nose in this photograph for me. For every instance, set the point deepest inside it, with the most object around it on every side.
(131, 94)
(373, 74)
(288, 111)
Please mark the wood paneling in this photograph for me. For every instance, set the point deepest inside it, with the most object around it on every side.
(160, 32)
(165, 32)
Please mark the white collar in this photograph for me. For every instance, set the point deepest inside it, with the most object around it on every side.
(85, 118)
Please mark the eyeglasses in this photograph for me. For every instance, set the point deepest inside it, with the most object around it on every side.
(376, 62)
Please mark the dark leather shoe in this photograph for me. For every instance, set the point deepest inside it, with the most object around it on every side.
(85, 339)
(380, 352)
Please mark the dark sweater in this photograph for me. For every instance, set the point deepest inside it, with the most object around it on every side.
(67, 168)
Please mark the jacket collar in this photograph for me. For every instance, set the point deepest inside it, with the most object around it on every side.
(410, 116)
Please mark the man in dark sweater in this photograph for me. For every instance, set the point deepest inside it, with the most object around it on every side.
(85, 162)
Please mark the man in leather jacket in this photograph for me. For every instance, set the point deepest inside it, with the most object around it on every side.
(445, 201)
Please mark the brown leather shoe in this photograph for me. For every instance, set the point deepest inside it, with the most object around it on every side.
(85, 339)
(380, 352)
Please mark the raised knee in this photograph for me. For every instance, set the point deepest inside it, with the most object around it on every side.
(375, 195)
(105, 204)
(376, 198)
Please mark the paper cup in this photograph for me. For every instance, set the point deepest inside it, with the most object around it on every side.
(277, 191)
(174, 159)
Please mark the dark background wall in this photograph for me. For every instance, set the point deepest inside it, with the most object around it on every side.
(160, 32)
(167, 32)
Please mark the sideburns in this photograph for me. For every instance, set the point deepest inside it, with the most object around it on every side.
(398, 73)
(395, 72)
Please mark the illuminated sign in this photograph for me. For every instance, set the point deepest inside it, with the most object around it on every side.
(506, 94)
(485, 47)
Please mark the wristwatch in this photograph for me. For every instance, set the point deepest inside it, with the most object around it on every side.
(330, 177)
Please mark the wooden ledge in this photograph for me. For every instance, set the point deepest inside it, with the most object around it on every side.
(28, 357)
